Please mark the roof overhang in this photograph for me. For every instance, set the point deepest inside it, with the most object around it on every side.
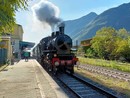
(26, 44)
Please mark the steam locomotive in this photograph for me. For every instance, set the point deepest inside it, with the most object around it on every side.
(55, 52)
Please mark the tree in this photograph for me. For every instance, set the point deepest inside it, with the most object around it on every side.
(7, 13)
(122, 45)
(112, 44)
(102, 43)
(122, 33)
(90, 53)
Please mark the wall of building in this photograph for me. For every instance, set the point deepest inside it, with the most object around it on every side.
(17, 36)
(18, 32)
(7, 45)
(12, 42)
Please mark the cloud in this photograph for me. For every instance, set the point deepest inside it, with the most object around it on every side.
(34, 31)
(47, 13)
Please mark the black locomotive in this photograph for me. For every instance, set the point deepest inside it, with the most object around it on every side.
(55, 52)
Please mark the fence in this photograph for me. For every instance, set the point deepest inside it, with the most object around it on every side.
(3, 56)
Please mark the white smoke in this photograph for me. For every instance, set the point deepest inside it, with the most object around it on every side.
(47, 13)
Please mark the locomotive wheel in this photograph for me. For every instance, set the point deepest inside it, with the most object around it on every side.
(55, 70)
(64, 69)
(49, 69)
(72, 71)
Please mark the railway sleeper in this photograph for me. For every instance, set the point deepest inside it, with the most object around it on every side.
(93, 95)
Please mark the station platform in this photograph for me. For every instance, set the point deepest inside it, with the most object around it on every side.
(28, 80)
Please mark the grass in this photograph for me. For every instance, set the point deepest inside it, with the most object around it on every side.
(115, 84)
(105, 63)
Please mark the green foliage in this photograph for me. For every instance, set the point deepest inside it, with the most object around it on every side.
(105, 63)
(7, 13)
(80, 51)
(102, 42)
(0, 38)
(90, 53)
(111, 44)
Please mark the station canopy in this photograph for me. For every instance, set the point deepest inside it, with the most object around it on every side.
(27, 45)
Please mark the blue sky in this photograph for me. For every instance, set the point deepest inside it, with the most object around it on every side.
(69, 9)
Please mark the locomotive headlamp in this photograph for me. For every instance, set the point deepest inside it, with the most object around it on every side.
(56, 63)
(77, 63)
(55, 55)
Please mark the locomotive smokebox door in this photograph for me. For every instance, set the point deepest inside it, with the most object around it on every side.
(63, 44)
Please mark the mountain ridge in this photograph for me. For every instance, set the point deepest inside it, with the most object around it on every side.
(117, 17)
(78, 24)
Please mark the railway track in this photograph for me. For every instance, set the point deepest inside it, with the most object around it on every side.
(82, 88)
(108, 72)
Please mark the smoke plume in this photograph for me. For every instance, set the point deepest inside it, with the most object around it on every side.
(47, 13)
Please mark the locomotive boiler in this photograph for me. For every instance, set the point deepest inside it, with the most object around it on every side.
(55, 52)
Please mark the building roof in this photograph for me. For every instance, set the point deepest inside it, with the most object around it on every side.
(86, 42)
(26, 44)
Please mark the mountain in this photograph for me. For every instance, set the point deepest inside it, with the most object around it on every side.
(118, 17)
(73, 27)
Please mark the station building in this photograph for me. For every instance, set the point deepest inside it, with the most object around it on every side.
(13, 44)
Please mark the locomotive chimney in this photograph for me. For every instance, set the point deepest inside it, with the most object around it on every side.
(61, 28)
(53, 34)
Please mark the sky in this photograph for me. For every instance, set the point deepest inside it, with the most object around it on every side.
(34, 31)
